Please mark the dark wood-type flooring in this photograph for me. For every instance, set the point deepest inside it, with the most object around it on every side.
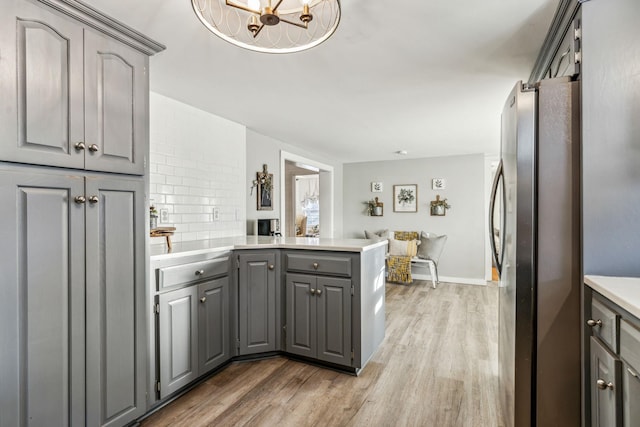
(436, 367)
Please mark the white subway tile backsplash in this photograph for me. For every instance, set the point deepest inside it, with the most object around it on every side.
(190, 179)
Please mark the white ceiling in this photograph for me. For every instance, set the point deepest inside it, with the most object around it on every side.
(426, 76)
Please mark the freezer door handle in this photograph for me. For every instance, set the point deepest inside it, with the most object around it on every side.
(498, 184)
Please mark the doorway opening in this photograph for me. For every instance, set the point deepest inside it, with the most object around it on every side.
(307, 205)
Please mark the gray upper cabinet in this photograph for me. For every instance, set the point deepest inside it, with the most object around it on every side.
(73, 267)
(318, 313)
(257, 302)
(72, 97)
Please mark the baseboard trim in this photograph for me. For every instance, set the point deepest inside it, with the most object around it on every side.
(449, 279)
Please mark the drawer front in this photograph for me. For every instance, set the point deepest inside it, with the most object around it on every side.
(630, 345)
(606, 327)
(319, 264)
(169, 277)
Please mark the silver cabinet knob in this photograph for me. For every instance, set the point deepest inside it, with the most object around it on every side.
(603, 385)
(318, 291)
(79, 146)
(93, 148)
(316, 265)
(93, 199)
(271, 266)
(80, 200)
(313, 291)
(593, 323)
(199, 272)
(203, 299)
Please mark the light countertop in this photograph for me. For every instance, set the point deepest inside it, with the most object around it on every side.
(624, 291)
(159, 252)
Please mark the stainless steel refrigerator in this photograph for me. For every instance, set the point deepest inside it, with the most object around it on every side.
(535, 223)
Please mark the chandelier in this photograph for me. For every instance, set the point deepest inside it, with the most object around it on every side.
(282, 27)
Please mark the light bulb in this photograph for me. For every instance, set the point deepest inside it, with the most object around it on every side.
(254, 4)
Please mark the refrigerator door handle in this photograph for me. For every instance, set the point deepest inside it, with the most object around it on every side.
(498, 179)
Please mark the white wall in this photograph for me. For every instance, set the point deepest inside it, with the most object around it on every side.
(197, 162)
(464, 223)
(262, 149)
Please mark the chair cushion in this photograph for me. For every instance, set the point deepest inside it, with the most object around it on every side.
(431, 246)
(403, 247)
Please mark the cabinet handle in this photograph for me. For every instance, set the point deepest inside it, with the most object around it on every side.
(593, 323)
(203, 299)
(633, 374)
(271, 266)
(199, 272)
(603, 385)
(318, 291)
(79, 146)
(93, 148)
(316, 265)
(313, 291)
(93, 200)
(80, 200)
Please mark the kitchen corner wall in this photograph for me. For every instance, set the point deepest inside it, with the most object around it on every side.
(261, 150)
(197, 162)
(463, 258)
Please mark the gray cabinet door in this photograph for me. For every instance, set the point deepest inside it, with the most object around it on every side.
(41, 75)
(301, 335)
(213, 324)
(116, 106)
(115, 287)
(630, 397)
(605, 385)
(333, 299)
(257, 302)
(178, 339)
(42, 297)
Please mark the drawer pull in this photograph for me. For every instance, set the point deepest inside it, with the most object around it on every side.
(603, 385)
(79, 146)
(633, 374)
(271, 266)
(199, 272)
(318, 291)
(316, 265)
(80, 200)
(203, 299)
(93, 148)
(313, 291)
(593, 323)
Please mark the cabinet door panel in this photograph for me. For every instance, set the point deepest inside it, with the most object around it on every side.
(604, 402)
(178, 339)
(257, 293)
(630, 397)
(334, 320)
(301, 315)
(41, 299)
(115, 301)
(213, 324)
(116, 105)
(41, 107)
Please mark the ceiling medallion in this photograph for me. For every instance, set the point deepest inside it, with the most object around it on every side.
(284, 27)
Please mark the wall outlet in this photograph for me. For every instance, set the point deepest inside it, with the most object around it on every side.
(216, 214)
(164, 216)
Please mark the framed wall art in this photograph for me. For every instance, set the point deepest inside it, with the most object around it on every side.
(264, 182)
(405, 198)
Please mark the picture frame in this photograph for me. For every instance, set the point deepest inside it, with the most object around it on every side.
(405, 198)
(438, 210)
(265, 191)
(438, 184)
(377, 187)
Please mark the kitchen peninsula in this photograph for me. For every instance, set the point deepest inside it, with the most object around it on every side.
(215, 301)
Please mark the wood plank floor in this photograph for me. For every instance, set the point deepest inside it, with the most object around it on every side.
(436, 367)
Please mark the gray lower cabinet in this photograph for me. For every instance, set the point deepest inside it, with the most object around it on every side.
(318, 317)
(193, 333)
(257, 298)
(72, 329)
(605, 386)
(79, 97)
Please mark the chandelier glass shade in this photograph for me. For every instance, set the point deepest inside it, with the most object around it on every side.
(271, 26)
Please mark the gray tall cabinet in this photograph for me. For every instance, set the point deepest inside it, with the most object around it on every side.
(73, 120)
